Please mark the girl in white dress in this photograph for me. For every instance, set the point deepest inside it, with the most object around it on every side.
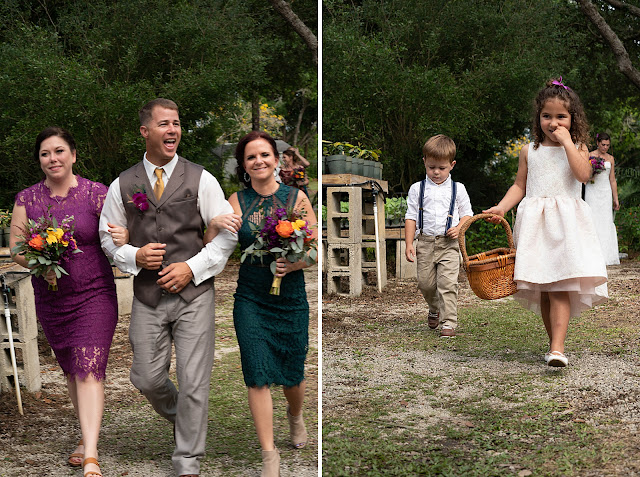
(559, 269)
(601, 193)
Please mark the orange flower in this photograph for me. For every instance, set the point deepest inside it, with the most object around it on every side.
(284, 228)
(37, 242)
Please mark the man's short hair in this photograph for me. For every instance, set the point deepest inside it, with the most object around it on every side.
(146, 111)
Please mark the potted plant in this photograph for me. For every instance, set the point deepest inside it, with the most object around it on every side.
(370, 158)
(338, 159)
(5, 227)
(395, 208)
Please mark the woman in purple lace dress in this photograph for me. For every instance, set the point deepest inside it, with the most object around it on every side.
(79, 319)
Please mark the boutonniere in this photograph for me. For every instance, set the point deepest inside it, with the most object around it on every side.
(139, 198)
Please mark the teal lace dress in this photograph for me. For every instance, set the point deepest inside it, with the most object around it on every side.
(272, 330)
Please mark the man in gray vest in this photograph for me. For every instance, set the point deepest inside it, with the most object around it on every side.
(165, 202)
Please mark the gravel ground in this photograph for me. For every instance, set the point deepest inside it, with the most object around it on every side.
(39, 443)
(600, 389)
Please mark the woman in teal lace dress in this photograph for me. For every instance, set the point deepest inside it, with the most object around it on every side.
(272, 330)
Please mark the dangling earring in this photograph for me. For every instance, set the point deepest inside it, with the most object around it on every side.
(246, 177)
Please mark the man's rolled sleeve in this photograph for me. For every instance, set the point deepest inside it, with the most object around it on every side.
(213, 257)
(124, 257)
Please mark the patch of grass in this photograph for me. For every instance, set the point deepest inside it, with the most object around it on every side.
(592, 333)
(480, 440)
(232, 444)
(482, 404)
(502, 328)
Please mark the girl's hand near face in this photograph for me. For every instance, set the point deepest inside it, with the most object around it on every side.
(562, 136)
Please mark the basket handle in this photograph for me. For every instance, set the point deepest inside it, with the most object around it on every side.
(467, 224)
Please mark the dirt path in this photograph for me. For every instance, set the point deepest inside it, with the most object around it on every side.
(379, 368)
(134, 440)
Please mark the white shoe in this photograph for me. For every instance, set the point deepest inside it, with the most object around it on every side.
(557, 359)
(547, 357)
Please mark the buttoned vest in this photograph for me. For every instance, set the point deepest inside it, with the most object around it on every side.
(174, 219)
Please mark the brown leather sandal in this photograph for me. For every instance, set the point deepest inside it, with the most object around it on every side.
(91, 460)
(76, 455)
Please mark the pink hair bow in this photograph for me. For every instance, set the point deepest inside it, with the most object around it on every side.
(560, 83)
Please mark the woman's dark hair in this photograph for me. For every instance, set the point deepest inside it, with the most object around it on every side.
(242, 144)
(49, 132)
(555, 89)
(292, 153)
(602, 137)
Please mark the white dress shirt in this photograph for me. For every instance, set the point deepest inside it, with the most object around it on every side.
(211, 202)
(436, 202)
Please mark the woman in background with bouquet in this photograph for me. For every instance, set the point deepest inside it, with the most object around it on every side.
(293, 171)
(272, 329)
(601, 193)
(61, 213)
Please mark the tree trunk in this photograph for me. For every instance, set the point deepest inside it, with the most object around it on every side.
(618, 49)
(296, 132)
(284, 9)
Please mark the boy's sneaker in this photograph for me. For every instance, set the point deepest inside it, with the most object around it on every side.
(447, 332)
(433, 320)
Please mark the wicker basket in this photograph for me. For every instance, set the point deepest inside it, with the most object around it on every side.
(490, 273)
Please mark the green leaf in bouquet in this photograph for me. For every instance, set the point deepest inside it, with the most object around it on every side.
(272, 267)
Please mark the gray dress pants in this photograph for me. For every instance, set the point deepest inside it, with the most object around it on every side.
(191, 328)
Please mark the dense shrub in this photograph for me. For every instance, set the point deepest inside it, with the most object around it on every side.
(628, 225)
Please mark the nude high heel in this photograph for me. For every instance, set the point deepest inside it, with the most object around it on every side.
(270, 463)
(297, 430)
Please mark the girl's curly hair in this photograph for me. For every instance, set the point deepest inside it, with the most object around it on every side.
(555, 89)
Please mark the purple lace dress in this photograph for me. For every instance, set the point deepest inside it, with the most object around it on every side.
(80, 318)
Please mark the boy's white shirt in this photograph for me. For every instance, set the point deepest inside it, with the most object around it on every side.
(436, 201)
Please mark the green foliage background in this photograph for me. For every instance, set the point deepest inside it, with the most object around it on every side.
(396, 72)
(90, 66)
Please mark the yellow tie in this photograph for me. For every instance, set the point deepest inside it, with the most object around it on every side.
(158, 189)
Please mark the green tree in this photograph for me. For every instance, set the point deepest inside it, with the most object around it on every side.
(89, 67)
(397, 72)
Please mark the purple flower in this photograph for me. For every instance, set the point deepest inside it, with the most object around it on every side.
(139, 199)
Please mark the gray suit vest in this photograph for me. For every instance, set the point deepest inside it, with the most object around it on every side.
(174, 220)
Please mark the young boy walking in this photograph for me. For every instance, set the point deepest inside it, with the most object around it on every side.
(436, 207)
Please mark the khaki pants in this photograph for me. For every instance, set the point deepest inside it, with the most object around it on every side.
(438, 267)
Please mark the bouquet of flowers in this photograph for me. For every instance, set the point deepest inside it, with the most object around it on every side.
(46, 244)
(597, 164)
(284, 234)
(298, 175)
